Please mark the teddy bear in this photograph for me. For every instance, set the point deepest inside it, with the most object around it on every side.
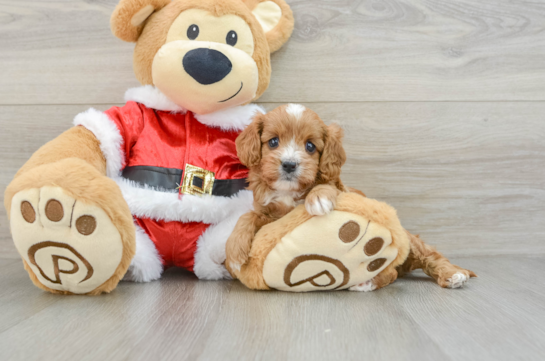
(155, 183)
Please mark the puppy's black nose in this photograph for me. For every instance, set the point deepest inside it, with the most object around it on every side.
(289, 167)
(207, 66)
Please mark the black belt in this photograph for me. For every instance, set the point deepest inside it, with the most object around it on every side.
(196, 182)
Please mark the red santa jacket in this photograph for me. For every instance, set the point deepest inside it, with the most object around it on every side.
(162, 157)
(170, 140)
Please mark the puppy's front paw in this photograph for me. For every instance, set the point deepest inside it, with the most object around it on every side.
(318, 206)
(321, 200)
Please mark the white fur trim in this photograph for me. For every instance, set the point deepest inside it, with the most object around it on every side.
(210, 253)
(111, 142)
(236, 118)
(152, 98)
(146, 266)
(145, 202)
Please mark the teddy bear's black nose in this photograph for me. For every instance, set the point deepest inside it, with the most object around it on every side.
(207, 66)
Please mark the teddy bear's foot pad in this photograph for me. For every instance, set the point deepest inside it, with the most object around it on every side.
(69, 246)
(331, 252)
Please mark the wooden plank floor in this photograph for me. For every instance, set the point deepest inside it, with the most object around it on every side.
(499, 316)
(443, 104)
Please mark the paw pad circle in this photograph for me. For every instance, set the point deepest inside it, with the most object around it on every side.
(86, 225)
(373, 246)
(28, 212)
(54, 210)
(349, 231)
(376, 264)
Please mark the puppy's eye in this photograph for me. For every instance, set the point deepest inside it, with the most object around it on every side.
(231, 38)
(273, 143)
(192, 32)
(311, 148)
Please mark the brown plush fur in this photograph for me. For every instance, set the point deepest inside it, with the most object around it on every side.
(153, 35)
(318, 171)
(86, 184)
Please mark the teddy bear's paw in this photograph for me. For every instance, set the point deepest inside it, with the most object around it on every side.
(69, 245)
(367, 286)
(332, 253)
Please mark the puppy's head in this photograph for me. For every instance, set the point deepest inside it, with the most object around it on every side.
(292, 148)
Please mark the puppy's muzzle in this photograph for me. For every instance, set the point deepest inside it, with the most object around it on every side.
(206, 66)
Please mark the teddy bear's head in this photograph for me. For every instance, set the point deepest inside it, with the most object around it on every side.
(204, 55)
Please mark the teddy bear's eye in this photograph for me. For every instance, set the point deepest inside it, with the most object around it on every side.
(192, 32)
(232, 38)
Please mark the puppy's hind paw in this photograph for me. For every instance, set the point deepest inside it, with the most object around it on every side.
(457, 280)
(364, 287)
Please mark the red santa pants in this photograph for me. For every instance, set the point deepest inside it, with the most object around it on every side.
(176, 242)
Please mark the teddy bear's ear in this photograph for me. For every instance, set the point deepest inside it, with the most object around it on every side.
(129, 17)
(276, 19)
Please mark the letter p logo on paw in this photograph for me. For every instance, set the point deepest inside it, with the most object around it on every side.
(45, 257)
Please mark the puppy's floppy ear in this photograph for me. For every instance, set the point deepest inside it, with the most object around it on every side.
(249, 143)
(276, 19)
(129, 17)
(333, 156)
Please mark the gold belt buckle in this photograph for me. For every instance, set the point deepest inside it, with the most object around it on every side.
(206, 184)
